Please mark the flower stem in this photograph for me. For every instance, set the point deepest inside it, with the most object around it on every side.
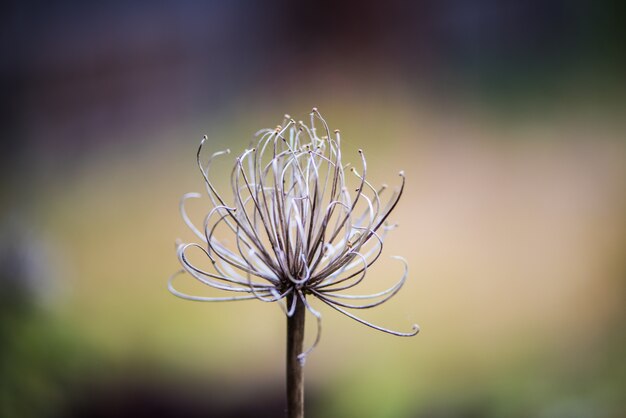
(295, 369)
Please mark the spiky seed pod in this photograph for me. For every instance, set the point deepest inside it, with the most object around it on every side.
(297, 229)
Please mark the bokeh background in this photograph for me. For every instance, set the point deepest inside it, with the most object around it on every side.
(507, 116)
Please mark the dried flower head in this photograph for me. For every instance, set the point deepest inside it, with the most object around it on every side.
(297, 228)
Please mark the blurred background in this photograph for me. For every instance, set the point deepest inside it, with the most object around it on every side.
(507, 116)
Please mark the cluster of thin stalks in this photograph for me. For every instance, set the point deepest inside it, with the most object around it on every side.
(300, 224)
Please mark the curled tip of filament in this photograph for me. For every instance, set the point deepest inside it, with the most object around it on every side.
(416, 329)
(287, 116)
(278, 128)
(314, 109)
(337, 131)
(227, 151)
(401, 173)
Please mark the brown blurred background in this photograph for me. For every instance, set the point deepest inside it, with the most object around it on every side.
(507, 116)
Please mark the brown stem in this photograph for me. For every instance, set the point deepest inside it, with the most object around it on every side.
(295, 369)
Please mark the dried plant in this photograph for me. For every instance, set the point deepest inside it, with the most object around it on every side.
(297, 229)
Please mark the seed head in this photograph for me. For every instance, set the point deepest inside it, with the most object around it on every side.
(296, 230)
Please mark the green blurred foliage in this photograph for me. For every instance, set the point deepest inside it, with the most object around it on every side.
(42, 360)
